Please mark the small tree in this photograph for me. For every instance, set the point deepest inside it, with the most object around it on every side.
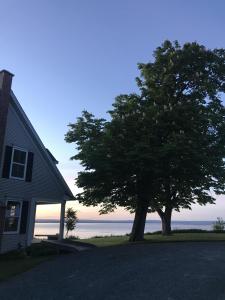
(219, 225)
(70, 219)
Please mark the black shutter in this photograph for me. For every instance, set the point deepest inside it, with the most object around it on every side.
(2, 219)
(24, 217)
(29, 170)
(7, 162)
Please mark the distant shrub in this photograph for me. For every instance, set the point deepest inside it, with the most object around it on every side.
(106, 236)
(194, 230)
(72, 237)
(219, 225)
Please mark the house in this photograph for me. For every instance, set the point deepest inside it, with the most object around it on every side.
(28, 173)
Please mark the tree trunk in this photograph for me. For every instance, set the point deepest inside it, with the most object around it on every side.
(137, 233)
(166, 220)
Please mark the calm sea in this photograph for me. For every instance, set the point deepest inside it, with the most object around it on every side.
(90, 229)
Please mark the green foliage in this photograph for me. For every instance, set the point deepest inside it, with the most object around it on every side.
(41, 249)
(163, 148)
(219, 225)
(185, 85)
(70, 219)
(35, 250)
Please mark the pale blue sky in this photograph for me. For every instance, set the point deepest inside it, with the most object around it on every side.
(73, 55)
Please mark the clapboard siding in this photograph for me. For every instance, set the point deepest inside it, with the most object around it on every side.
(44, 183)
(12, 242)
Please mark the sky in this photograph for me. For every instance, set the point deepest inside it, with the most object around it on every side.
(72, 55)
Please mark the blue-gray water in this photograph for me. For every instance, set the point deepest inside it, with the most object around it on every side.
(90, 229)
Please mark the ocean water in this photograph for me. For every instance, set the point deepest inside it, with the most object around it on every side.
(90, 229)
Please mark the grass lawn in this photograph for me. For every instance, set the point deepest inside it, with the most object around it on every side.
(9, 268)
(16, 262)
(157, 238)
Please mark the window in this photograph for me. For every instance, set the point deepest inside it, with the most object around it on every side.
(12, 218)
(18, 163)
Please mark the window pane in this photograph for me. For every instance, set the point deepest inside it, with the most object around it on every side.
(12, 215)
(13, 209)
(17, 170)
(11, 224)
(19, 156)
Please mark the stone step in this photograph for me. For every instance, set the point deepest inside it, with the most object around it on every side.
(69, 246)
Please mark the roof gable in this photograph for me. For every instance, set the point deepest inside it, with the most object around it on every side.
(45, 153)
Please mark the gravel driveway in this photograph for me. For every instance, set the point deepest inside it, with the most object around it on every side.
(170, 271)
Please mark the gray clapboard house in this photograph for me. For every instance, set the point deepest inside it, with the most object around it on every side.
(28, 173)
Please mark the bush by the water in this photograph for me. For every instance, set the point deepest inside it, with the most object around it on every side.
(72, 237)
(219, 225)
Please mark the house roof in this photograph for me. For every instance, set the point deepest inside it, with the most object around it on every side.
(52, 156)
(45, 152)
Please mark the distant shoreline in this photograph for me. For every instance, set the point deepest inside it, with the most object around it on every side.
(89, 228)
(122, 221)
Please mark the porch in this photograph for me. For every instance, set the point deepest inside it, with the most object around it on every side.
(36, 235)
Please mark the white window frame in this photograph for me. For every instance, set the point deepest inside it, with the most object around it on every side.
(25, 165)
(19, 218)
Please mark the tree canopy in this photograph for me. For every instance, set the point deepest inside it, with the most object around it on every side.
(161, 149)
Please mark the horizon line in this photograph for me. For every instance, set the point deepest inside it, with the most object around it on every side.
(118, 221)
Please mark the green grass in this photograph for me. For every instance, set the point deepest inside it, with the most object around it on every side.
(158, 238)
(13, 267)
(16, 262)
(106, 240)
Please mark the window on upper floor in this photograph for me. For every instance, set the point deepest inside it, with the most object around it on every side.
(12, 217)
(18, 163)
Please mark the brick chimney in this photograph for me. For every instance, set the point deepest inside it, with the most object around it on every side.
(5, 89)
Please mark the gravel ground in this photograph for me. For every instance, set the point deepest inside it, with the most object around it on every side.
(169, 271)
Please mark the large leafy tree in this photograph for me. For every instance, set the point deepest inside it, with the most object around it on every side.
(163, 149)
(185, 85)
